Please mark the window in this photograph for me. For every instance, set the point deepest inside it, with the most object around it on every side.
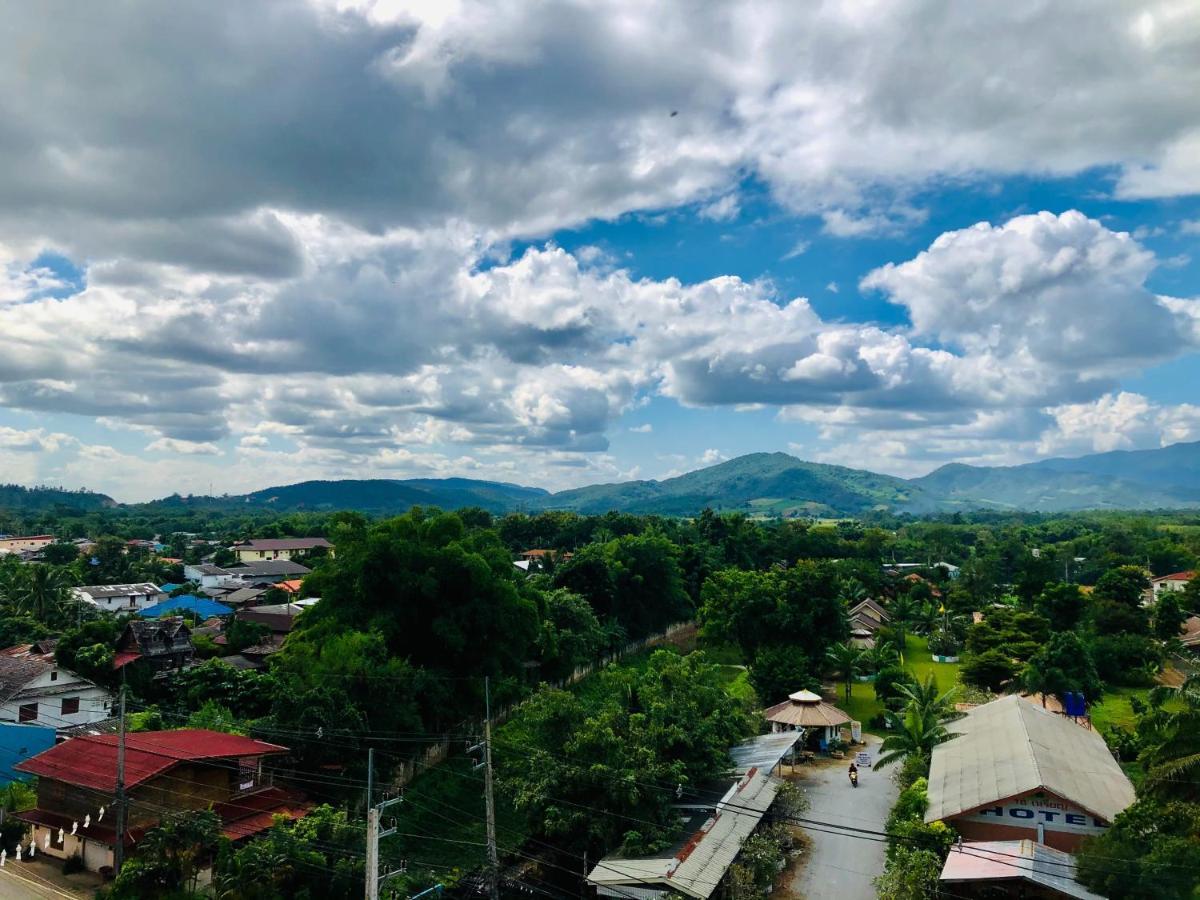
(54, 675)
(27, 712)
(55, 841)
(70, 706)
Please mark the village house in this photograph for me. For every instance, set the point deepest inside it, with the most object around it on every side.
(160, 645)
(1021, 870)
(120, 598)
(36, 691)
(1176, 581)
(279, 548)
(165, 772)
(201, 607)
(206, 575)
(712, 837)
(25, 544)
(1015, 771)
(869, 616)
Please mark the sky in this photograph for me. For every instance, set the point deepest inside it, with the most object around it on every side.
(244, 245)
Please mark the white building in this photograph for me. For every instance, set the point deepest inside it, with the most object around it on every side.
(118, 598)
(34, 690)
(1176, 581)
(207, 575)
(279, 548)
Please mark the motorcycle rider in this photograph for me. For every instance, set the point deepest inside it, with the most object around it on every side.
(853, 773)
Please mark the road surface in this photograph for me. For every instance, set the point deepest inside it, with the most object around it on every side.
(842, 866)
(19, 882)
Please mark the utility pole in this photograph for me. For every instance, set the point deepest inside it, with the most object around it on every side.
(493, 857)
(119, 846)
(374, 814)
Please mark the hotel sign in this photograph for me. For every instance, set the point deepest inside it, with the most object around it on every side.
(1034, 810)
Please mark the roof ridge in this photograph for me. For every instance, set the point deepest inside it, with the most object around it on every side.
(1037, 765)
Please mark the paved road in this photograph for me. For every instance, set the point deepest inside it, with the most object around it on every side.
(20, 881)
(841, 867)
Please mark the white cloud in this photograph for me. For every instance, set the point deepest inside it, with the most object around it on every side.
(644, 428)
(723, 209)
(186, 448)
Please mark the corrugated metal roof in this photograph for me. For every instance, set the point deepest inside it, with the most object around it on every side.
(1027, 860)
(1010, 747)
(763, 752)
(697, 868)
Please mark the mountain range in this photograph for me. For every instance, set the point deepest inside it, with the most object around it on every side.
(762, 484)
(776, 484)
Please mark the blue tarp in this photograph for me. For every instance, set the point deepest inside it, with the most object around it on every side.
(18, 743)
(201, 606)
(167, 588)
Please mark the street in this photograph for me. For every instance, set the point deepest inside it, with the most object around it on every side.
(20, 881)
(842, 866)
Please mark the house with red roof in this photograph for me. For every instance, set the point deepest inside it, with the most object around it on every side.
(165, 772)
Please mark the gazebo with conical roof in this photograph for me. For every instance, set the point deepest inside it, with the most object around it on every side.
(806, 711)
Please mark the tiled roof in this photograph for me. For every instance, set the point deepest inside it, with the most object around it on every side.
(90, 761)
(16, 672)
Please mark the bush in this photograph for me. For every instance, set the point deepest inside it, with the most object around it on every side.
(943, 643)
(73, 864)
(1126, 659)
(887, 684)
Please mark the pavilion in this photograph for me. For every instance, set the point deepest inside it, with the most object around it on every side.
(806, 711)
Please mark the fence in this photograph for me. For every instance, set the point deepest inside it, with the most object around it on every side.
(678, 634)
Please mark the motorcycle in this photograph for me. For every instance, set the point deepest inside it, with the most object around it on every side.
(854, 779)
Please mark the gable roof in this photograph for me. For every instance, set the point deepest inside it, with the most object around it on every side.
(90, 761)
(1011, 747)
(870, 609)
(1015, 860)
(1174, 576)
(18, 671)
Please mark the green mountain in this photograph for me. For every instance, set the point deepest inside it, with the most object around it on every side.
(37, 499)
(767, 484)
(1166, 478)
(380, 496)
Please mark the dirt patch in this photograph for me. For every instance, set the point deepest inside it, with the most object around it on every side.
(1171, 677)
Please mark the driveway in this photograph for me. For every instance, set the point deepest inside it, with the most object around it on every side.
(842, 866)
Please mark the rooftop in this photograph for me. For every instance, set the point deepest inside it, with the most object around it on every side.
(807, 710)
(270, 568)
(1015, 860)
(201, 606)
(700, 864)
(90, 761)
(120, 590)
(283, 544)
(1011, 747)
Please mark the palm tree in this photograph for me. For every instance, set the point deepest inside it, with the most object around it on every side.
(903, 613)
(914, 733)
(1172, 753)
(845, 661)
(851, 591)
(927, 699)
(879, 657)
(44, 591)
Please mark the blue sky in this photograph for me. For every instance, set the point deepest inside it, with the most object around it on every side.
(593, 243)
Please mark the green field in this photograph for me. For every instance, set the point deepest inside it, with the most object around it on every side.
(862, 705)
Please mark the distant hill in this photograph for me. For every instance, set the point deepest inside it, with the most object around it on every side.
(768, 484)
(1166, 478)
(15, 497)
(387, 496)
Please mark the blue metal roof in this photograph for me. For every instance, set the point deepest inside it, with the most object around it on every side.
(167, 588)
(201, 606)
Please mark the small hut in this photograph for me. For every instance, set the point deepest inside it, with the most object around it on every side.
(820, 721)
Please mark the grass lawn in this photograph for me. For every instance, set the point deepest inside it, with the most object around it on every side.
(736, 681)
(862, 704)
(1114, 709)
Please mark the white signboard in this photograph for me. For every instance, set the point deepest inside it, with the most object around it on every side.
(863, 759)
(1049, 812)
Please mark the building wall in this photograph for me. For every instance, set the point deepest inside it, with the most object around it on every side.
(17, 544)
(94, 853)
(1039, 816)
(94, 705)
(121, 603)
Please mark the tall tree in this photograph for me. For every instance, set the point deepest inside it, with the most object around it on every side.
(1063, 665)
(845, 662)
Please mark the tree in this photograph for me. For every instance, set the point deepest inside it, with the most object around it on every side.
(170, 856)
(910, 875)
(990, 670)
(1168, 617)
(779, 671)
(1061, 604)
(571, 635)
(1157, 845)
(44, 593)
(1171, 751)
(1124, 584)
(920, 725)
(845, 661)
(904, 612)
(1063, 665)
